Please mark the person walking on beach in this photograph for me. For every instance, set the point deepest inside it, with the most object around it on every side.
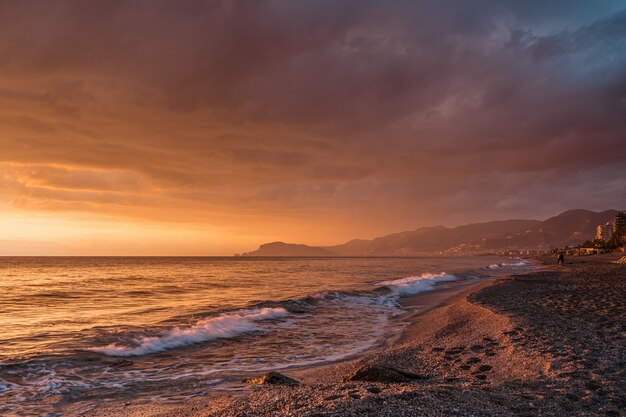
(560, 259)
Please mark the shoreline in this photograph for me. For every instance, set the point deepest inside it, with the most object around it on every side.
(420, 303)
(506, 346)
(414, 305)
(365, 309)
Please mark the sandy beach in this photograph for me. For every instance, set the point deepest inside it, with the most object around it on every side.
(549, 343)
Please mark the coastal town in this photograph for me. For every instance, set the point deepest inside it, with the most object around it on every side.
(610, 237)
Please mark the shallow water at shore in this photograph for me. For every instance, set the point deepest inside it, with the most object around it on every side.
(89, 329)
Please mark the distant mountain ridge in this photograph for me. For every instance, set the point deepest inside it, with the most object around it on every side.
(289, 249)
(568, 228)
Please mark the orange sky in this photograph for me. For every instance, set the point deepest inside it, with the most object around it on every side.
(207, 128)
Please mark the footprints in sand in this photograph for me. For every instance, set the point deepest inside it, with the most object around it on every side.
(469, 360)
(575, 322)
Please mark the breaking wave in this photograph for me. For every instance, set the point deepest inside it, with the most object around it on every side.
(417, 284)
(383, 299)
(224, 326)
(508, 265)
(233, 324)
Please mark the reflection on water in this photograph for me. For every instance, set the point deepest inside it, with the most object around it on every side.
(87, 329)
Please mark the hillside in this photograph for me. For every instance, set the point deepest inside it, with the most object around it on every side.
(570, 227)
(288, 249)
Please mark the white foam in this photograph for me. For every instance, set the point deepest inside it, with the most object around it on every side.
(417, 284)
(508, 265)
(224, 326)
(515, 264)
(356, 301)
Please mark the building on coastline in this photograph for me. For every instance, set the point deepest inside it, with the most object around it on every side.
(604, 231)
(619, 227)
(590, 250)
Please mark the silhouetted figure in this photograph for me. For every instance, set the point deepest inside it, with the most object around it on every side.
(560, 259)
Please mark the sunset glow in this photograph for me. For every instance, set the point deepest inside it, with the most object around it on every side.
(297, 208)
(210, 127)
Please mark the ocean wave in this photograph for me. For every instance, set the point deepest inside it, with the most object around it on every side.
(355, 299)
(225, 326)
(417, 284)
(508, 265)
(232, 324)
(515, 264)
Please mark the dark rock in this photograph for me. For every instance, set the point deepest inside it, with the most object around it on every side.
(572, 396)
(482, 377)
(472, 360)
(571, 374)
(377, 373)
(485, 368)
(271, 378)
(373, 390)
(121, 363)
(593, 385)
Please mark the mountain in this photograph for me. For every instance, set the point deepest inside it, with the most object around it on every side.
(288, 249)
(436, 239)
(568, 228)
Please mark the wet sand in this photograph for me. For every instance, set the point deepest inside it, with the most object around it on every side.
(549, 343)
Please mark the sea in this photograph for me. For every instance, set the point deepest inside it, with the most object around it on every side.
(82, 331)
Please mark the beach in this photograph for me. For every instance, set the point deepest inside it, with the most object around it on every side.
(230, 208)
(545, 343)
(85, 333)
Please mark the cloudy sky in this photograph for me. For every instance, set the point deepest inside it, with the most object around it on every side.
(208, 127)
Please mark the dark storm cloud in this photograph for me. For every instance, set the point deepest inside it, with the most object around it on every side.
(343, 106)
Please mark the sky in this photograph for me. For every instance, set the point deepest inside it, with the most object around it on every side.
(208, 127)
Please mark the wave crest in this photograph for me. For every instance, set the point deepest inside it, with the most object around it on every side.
(417, 284)
(221, 327)
(508, 265)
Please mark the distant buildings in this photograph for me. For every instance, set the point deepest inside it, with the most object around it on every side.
(619, 229)
(590, 251)
(613, 232)
(604, 231)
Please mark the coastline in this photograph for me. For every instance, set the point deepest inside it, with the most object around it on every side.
(477, 350)
(415, 306)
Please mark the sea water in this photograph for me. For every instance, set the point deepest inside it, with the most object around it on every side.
(86, 330)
